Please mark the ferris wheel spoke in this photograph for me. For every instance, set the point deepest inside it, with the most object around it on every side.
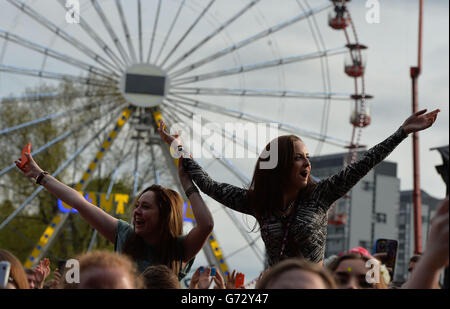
(51, 117)
(56, 76)
(155, 27)
(212, 35)
(249, 40)
(110, 30)
(260, 66)
(249, 117)
(56, 173)
(126, 31)
(61, 33)
(325, 70)
(211, 149)
(261, 93)
(166, 39)
(60, 138)
(54, 54)
(231, 136)
(187, 32)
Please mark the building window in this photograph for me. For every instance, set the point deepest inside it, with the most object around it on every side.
(381, 218)
(366, 186)
(364, 244)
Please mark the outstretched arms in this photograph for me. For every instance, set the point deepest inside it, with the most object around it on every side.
(338, 185)
(104, 223)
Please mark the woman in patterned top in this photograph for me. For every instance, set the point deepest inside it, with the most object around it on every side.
(289, 206)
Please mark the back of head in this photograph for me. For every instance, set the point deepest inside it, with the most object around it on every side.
(296, 274)
(16, 273)
(160, 277)
(106, 270)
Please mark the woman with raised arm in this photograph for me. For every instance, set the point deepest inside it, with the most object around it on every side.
(155, 238)
(289, 206)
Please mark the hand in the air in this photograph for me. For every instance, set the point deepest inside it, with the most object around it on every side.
(420, 121)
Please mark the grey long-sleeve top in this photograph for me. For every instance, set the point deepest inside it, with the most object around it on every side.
(308, 231)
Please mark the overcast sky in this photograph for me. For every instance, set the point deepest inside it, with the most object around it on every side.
(392, 51)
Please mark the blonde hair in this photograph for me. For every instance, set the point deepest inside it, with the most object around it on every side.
(296, 264)
(108, 260)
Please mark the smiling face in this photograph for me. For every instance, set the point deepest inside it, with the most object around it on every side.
(301, 168)
(146, 214)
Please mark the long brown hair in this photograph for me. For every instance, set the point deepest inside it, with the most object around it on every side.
(171, 227)
(268, 185)
(17, 272)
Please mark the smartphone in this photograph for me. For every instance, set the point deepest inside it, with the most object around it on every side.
(240, 279)
(388, 246)
(5, 268)
(26, 149)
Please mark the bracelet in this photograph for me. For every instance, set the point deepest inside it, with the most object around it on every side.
(40, 177)
(191, 191)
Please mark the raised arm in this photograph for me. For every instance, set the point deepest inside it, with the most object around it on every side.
(104, 223)
(197, 237)
(228, 195)
(425, 274)
(338, 185)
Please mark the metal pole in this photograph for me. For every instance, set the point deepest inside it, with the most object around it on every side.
(417, 200)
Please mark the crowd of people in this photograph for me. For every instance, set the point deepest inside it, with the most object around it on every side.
(289, 206)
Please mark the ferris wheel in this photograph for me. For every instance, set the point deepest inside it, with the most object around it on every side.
(124, 68)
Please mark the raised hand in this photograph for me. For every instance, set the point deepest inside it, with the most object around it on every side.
(420, 121)
(42, 271)
(219, 282)
(30, 169)
(203, 281)
(172, 140)
(231, 280)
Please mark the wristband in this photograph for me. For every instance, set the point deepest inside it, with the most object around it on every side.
(40, 177)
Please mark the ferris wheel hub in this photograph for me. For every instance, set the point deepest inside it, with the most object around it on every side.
(144, 85)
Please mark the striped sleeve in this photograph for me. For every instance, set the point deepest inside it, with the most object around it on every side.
(226, 194)
(338, 185)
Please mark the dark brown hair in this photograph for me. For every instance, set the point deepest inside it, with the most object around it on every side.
(268, 185)
(355, 256)
(171, 223)
(17, 273)
(299, 264)
(160, 277)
